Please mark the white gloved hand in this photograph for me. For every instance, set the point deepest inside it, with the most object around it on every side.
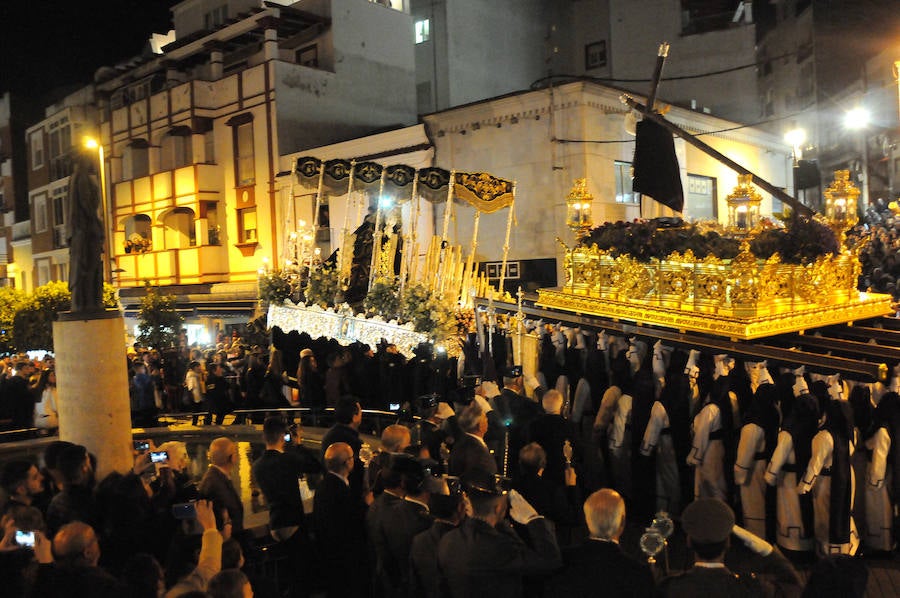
(489, 389)
(693, 356)
(723, 365)
(800, 387)
(752, 541)
(519, 509)
(530, 383)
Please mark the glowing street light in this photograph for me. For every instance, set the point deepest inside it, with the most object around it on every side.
(857, 118)
(796, 138)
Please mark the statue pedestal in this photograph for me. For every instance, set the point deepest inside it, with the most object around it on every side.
(94, 407)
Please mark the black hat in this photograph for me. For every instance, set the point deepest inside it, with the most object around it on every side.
(707, 520)
(429, 401)
(480, 481)
(513, 371)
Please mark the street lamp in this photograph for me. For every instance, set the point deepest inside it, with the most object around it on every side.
(92, 144)
(858, 119)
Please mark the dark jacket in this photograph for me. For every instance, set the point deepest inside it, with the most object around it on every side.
(338, 520)
(57, 581)
(403, 521)
(480, 560)
(775, 577)
(551, 432)
(76, 503)
(469, 453)
(276, 474)
(595, 565)
(218, 488)
(424, 576)
(344, 433)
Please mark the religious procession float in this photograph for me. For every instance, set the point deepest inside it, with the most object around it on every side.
(755, 287)
(375, 288)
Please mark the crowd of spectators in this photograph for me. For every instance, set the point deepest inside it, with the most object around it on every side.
(498, 487)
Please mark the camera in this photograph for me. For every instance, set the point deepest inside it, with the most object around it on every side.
(25, 539)
(184, 510)
(159, 457)
(142, 446)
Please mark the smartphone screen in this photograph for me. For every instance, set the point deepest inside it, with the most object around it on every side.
(159, 457)
(142, 445)
(184, 510)
(25, 539)
(287, 437)
(394, 407)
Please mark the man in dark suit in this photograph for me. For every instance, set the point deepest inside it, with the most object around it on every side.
(515, 410)
(551, 430)
(709, 523)
(448, 511)
(484, 556)
(600, 562)
(277, 474)
(348, 416)
(216, 485)
(470, 451)
(338, 519)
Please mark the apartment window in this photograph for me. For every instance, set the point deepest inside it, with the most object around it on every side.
(43, 272)
(58, 151)
(805, 83)
(209, 147)
(624, 183)
(37, 149)
(39, 213)
(138, 234)
(423, 31)
(308, 56)
(180, 229)
(701, 201)
(59, 205)
(244, 158)
(136, 160)
(215, 17)
(176, 149)
(247, 225)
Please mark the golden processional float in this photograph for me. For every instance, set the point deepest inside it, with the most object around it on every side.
(763, 292)
(407, 298)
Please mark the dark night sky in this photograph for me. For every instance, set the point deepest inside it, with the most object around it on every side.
(46, 45)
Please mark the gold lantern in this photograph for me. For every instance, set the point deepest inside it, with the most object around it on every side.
(840, 203)
(578, 209)
(743, 205)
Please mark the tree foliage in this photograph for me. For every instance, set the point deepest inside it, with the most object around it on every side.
(10, 300)
(159, 322)
(32, 324)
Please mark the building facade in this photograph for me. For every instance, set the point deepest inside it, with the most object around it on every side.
(192, 136)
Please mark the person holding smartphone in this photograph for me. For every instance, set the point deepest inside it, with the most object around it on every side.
(278, 473)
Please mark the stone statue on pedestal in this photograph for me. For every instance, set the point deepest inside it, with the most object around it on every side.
(85, 236)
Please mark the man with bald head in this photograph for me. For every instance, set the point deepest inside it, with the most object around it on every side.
(74, 571)
(600, 562)
(551, 430)
(339, 521)
(217, 486)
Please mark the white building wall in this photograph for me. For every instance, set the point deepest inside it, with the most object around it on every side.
(372, 86)
(544, 171)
